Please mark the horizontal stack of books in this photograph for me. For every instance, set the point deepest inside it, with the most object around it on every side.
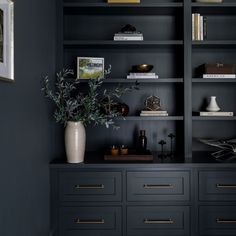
(199, 27)
(153, 113)
(137, 75)
(217, 71)
(216, 113)
(123, 1)
(128, 35)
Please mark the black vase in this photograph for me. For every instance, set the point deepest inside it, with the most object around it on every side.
(123, 109)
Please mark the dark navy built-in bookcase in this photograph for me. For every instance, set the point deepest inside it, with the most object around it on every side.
(191, 195)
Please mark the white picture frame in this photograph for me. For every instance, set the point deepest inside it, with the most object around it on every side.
(90, 68)
(7, 40)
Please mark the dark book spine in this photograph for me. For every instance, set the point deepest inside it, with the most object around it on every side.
(204, 27)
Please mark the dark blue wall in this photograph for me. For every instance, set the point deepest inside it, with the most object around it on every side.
(26, 132)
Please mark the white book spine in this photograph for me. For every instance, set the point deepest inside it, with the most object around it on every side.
(142, 74)
(198, 28)
(142, 77)
(193, 33)
(218, 113)
(127, 38)
(201, 27)
(219, 76)
(154, 114)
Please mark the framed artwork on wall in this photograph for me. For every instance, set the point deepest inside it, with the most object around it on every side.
(7, 40)
(90, 68)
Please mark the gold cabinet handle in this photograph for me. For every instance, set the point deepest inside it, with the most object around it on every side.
(89, 186)
(148, 221)
(226, 185)
(87, 221)
(225, 221)
(157, 186)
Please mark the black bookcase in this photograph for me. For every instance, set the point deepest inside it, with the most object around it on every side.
(86, 28)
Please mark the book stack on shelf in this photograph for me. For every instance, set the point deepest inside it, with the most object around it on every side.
(138, 75)
(199, 27)
(216, 113)
(129, 36)
(153, 113)
(123, 1)
(217, 71)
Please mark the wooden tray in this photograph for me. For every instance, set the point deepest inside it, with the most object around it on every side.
(130, 157)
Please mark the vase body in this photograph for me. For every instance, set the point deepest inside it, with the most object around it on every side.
(213, 106)
(75, 139)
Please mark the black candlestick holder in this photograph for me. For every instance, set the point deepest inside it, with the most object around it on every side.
(162, 155)
(171, 136)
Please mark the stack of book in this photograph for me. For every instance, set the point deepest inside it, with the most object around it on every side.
(218, 76)
(153, 113)
(123, 1)
(216, 113)
(136, 75)
(199, 27)
(129, 36)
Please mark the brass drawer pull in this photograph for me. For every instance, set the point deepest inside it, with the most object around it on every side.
(89, 186)
(226, 186)
(223, 221)
(158, 186)
(93, 221)
(169, 221)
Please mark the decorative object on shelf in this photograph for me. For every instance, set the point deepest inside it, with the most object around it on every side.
(142, 142)
(128, 33)
(7, 40)
(114, 150)
(213, 106)
(227, 148)
(217, 71)
(123, 109)
(123, 1)
(142, 68)
(171, 136)
(75, 109)
(162, 155)
(75, 138)
(90, 68)
(124, 150)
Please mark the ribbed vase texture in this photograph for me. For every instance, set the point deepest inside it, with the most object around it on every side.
(213, 106)
(75, 139)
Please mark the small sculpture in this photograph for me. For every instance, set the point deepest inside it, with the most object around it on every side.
(153, 103)
(213, 106)
(162, 143)
(128, 29)
(171, 136)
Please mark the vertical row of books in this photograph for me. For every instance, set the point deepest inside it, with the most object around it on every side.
(199, 27)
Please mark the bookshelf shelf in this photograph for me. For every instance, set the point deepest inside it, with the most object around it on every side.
(221, 118)
(151, 118)
(223, 43)
(141, 81)
(214, 5)
(201, 80)
(97, 43)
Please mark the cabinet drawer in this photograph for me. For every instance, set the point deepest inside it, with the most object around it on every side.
(86, 221)
(158, 186)
(164, 220)
(217, 186)
(90, 186)
(217, 220)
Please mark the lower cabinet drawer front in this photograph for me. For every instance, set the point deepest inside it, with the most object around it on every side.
(217, 220)
(155, 220)
(86, 221)
(90, 186)
(158, 186)
(217, 185)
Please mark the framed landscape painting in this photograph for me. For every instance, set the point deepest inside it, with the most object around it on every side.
(7, 40)
(90, 68)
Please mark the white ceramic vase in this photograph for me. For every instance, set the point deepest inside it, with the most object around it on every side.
(213, 106)
(75, 139)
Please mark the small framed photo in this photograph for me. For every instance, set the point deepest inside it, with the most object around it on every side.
(90, 68)
(7, 40)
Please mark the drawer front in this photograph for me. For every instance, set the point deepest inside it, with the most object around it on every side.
(90, 186)
(86, 221)
(217, 220)
(217, 186)
(158, 186)
(164, 220)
